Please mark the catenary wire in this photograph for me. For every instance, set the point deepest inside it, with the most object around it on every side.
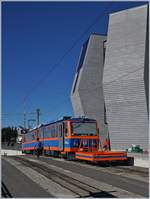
(41, 80)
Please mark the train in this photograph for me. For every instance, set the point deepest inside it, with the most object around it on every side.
(71, 138)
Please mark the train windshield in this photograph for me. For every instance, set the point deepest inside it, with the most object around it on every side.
(86, 128)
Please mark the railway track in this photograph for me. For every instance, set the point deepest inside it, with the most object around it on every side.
(113, 167)
(5, 192)
(79, 188)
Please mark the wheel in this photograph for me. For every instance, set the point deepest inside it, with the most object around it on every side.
(70, 156)
(129, 161)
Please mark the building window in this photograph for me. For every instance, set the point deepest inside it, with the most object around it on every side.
(105, 118)
(81, 60)
(84, 48)
(104, 50)
(75, 82)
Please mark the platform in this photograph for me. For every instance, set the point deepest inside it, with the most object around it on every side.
(140, 159)
(10, 152)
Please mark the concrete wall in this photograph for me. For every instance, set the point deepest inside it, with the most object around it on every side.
(87, 91)
(125, 80)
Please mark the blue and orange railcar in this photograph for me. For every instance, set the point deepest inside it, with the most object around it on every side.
(67, 135)
(76, 138)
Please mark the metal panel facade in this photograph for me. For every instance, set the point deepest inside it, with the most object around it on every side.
(125, 80)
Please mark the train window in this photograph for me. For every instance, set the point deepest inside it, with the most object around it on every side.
(40, 133)
(65, 129)
(55, 135)
(60, 130)
(30, 136)
(33, 135)
(43, 131)
(80, 128)
(46, 132)
(53, 131)
(56, 130)
(60, 134)
(49, 132)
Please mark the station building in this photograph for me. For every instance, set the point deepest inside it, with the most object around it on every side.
(112, 86)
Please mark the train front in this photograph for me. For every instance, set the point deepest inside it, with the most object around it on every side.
(85, 142)
(83, 135)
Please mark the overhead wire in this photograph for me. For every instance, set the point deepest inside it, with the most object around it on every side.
(16, 114)
(32, 113)
(42, 79)
(52, 68)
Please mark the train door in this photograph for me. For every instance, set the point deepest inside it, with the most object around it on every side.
(61, 137)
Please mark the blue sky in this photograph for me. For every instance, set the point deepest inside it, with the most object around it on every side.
(35, 35)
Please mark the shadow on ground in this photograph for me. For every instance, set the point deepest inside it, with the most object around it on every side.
(101, 194)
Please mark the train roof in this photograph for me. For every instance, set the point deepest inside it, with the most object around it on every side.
(71, 119)
(82, 119)
(85, 119)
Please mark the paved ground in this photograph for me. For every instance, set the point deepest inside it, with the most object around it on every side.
(18, 184)
(25, 176)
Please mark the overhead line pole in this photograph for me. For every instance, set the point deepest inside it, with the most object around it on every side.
(38, 116)
(24, 114)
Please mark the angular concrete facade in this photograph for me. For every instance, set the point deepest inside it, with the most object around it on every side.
(87, 91)
(125, 80)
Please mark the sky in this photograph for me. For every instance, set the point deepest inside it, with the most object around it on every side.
(35, 36)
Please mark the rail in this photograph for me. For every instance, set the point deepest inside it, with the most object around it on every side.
(5, 192)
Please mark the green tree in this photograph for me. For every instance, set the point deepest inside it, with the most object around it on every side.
(9, 133)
